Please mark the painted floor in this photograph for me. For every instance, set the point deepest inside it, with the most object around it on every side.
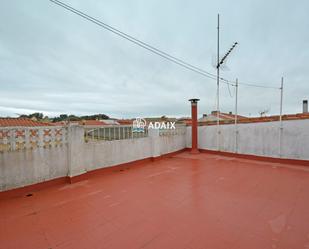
(187, 201)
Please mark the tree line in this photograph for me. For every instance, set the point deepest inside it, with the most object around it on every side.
(63, 117)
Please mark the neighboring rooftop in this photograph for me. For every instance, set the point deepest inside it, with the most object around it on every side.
(297, 116)
(92, 122)
(125, 121)
(184, 201)
(222, 116)
(15, 122)
(160, 119)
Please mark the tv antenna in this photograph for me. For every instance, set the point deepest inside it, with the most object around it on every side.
(220, 62)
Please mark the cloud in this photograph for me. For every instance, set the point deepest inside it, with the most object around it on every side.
(55, 62)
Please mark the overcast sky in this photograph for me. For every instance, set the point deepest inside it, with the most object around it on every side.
(53, 61)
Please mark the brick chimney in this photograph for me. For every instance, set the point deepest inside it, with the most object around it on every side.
(194, 135)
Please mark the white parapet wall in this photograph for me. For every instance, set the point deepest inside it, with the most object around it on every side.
(169, 143)
(34, 155)
(259, 138)
(100, 154)
(30, 155)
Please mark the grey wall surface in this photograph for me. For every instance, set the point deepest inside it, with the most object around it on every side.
(170, 144)
(21, 168)
(103, 154)
(260, 139)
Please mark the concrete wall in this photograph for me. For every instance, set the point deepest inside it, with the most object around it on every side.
(21, 168)
(260, 139)
(28, 166)
(170, 144)
(30, 155)
(101, 154)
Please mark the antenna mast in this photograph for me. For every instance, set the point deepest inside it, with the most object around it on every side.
(218, 80)
(219, 63)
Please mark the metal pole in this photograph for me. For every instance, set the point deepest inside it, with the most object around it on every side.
(236, 116)
(280, 118)
(218, 81)
(281, 98)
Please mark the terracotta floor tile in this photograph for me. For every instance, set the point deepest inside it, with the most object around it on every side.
(183, 202)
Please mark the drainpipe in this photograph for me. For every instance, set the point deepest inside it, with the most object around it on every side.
(194, 149)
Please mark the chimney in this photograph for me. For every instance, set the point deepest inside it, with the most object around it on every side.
(305, 106)
(194, 147)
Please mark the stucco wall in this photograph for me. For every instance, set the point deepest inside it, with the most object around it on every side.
(170, 144)
(109, 153)
(102, 154)
(260, 139)
(24, 167)
(21, 168)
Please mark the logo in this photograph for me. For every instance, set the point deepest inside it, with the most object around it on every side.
(139, 125)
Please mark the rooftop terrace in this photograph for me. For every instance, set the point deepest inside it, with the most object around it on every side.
(183, 201)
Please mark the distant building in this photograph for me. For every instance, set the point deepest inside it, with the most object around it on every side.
(110, 121)
(222, 116)
(160, 119)
(125, 121)
(184, 120)
(91, 122)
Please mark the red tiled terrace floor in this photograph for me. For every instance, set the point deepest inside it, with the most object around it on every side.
(186, 201)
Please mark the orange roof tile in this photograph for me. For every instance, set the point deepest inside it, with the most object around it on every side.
(125, 121)
(9, 122)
